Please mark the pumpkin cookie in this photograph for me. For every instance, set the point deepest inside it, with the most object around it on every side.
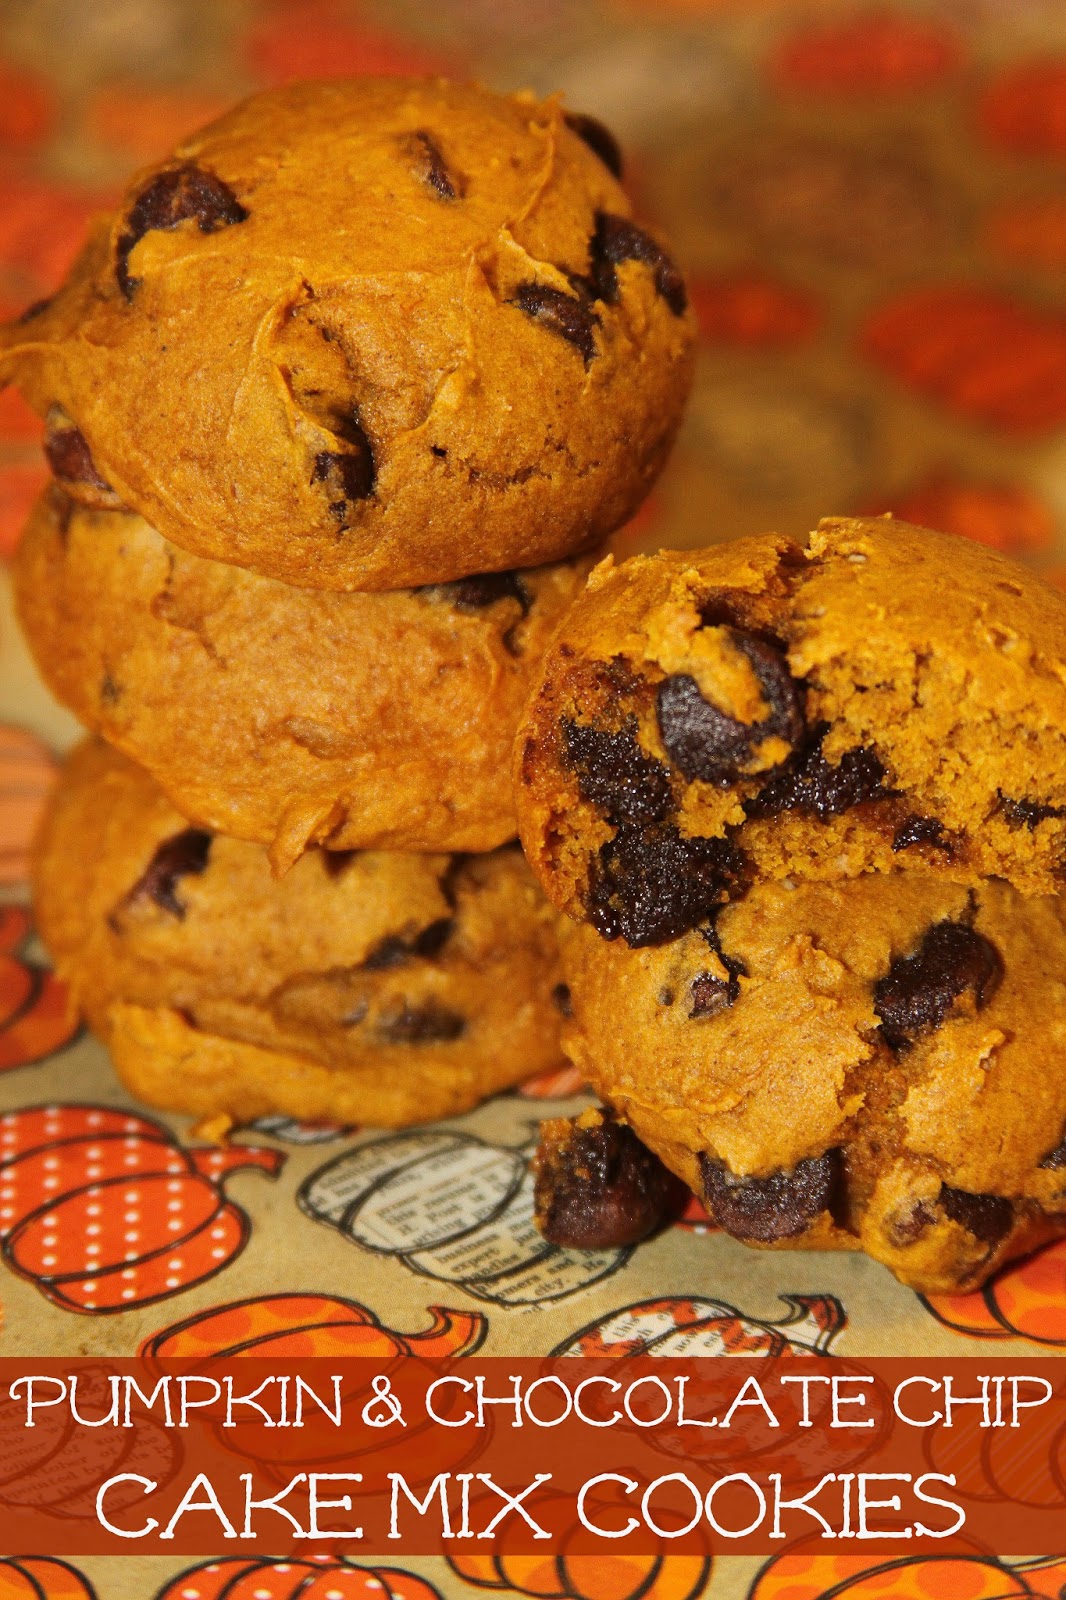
(380, 721)
(872, 1064)
(380, 987)
(888, 699)
(368, 334)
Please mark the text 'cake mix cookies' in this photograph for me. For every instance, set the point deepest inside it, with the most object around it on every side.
(368, 334)
(379, 987)
(807, 808)
(290, 716)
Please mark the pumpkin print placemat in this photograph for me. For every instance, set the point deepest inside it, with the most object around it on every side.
(871, 205)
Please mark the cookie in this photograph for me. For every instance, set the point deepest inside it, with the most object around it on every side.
(290, 716)
(865, 1065)
(372, 987)
(368, 334)
(888, 699)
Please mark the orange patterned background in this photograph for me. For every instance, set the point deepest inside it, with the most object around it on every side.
(870, 200)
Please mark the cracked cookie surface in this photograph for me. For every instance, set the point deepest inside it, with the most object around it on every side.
(888, 699)
(367, 334)
(872, 1064)
(367, 987)
(369, 721)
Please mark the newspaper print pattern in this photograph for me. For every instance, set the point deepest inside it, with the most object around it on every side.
(453, 1207)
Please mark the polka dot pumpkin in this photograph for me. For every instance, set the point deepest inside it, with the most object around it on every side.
(320, 1578)
(42, 1578)
(105, 1211)
(801, 1577)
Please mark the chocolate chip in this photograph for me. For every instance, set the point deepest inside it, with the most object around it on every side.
(484, 589)
(432, 168)
(337, 862)
(807, 782)
(909, 1223)
(778, 1207)
(711, 994)
(67, 452)
(615, 774)
(649, 884)
(600, 140)
(1027, 813)
(426, 1024)
(918, 991)
(185, 855)
(395, 951)
(920, 831)
(572, 318)
(616, 240)
(988, 1217)
(562, 1000)
(349, 475)
(709, 744)
(184, 194)
(597, 1187)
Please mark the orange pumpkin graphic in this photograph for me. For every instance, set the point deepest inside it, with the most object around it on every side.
(27, 772)
(1007, 517)
(287, 1325)
(1026, 1300)
(36, 1016)
(1024, 109)
(754, 310)
(696, 1218)
(978, 1577)
(27, 107)
(317, 1578)
(104, 1211)
(558, 1085)
(20, 484)
(1032, 231)
(983, 355)
(875, 53)
(42, 1578)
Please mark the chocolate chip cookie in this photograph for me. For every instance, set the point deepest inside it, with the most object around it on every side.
(867, 1065)
(378, 987)
(887, 699)
(290, 716)
(368, 334)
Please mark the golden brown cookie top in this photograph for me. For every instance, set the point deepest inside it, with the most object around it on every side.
(888, 698)
(370, 333)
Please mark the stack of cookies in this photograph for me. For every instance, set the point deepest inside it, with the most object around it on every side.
(806, 808)
(339, 406)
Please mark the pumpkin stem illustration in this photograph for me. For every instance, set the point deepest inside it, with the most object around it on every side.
(815, 1320)
(215, 1163)
(453, 1333)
